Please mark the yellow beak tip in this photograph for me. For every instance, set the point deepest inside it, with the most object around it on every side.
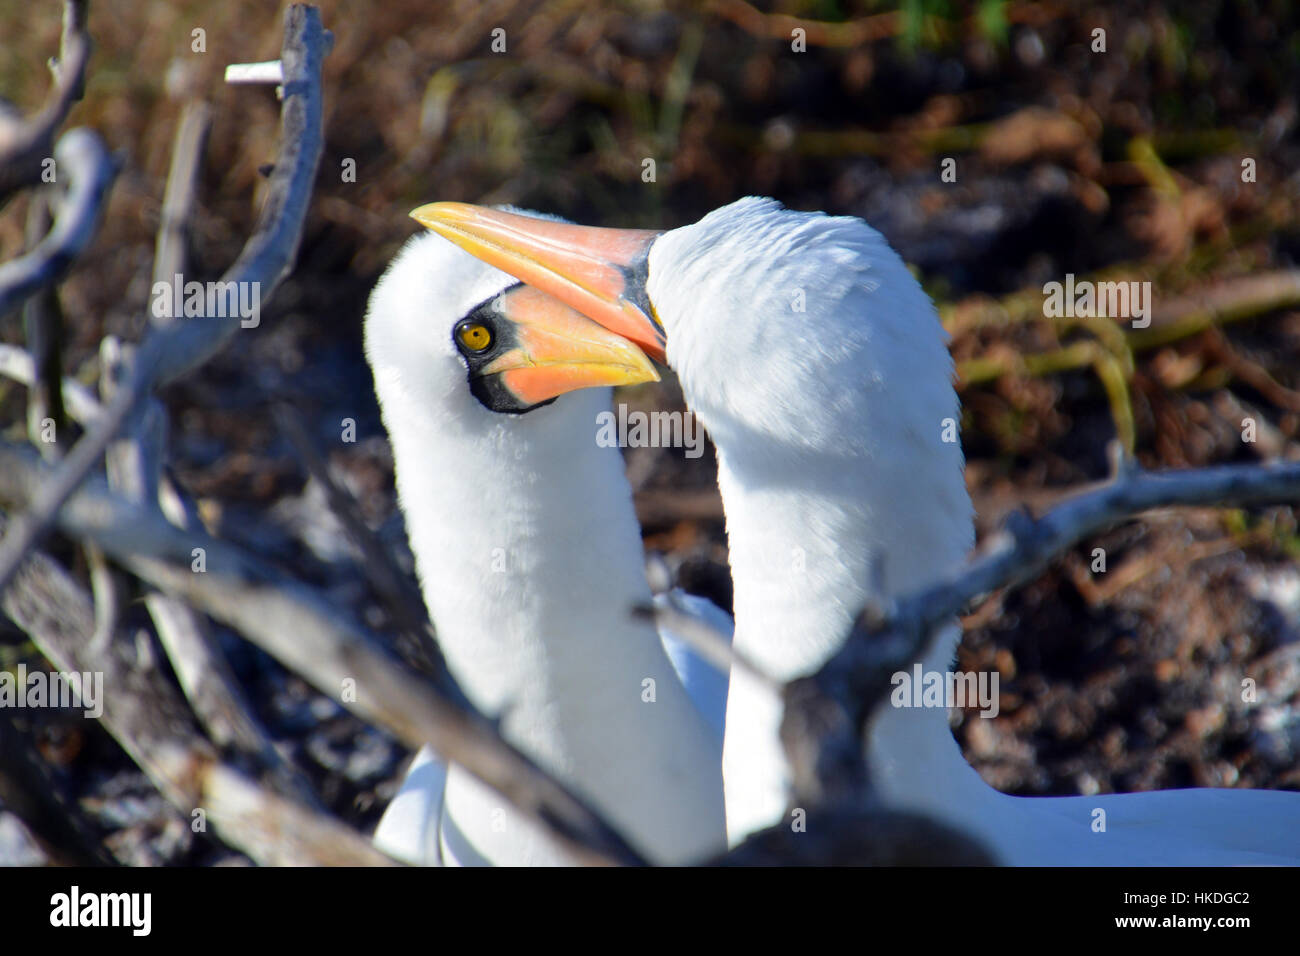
(434, 214)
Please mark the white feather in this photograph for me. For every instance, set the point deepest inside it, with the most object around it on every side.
(530, 559)
(820, 369)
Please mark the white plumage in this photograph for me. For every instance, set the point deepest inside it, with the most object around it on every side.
(530, 559)
(832, 459)
(819, 367)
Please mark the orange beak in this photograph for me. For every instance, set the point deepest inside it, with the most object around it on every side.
(599, 272)
(554, 349)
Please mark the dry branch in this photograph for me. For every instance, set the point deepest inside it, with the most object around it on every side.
(43, 332)
(25, 143)
(80, 157)
(178, 197)
(134, 471)
(134, 464)
(711, 644)
(417, 643)
(285, 833)
(80, 401)
(265, 260)
(150, 721)
(214, 693)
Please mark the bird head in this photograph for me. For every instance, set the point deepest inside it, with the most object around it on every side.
(459, 330)
(794, 328)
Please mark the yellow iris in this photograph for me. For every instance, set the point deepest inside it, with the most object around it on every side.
(474, 336)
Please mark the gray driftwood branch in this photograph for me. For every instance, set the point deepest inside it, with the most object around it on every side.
(178, 198)
(134, 464)
(266, 258)
(149, 719)
(80, 401)
(79, 157)
(25, 143)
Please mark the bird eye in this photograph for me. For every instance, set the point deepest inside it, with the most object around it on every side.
(474, 336)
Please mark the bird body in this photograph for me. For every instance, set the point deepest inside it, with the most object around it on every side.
(529, 558)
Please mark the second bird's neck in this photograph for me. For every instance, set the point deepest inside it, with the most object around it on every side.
(804, 554)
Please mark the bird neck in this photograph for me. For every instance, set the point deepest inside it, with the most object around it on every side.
(809, 546)
(529, 567)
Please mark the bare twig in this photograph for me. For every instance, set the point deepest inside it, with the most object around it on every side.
(178, 197)
(134, 471)
(81, 403)
(134, 461)
(1220, 302)
(711, 644)
(80, 156)
(268, 71)
(212, 689)
(43, 331)
(419, 644)
(84, 408)
(284, 831)
(266, 258)
(108, 604)
(25, 143)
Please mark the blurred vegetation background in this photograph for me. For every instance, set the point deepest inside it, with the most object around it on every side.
(1126, 163)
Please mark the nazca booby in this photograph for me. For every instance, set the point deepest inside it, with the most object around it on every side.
(820, 369)
(530, 558)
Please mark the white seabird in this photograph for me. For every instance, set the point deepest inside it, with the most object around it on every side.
(529, 558)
